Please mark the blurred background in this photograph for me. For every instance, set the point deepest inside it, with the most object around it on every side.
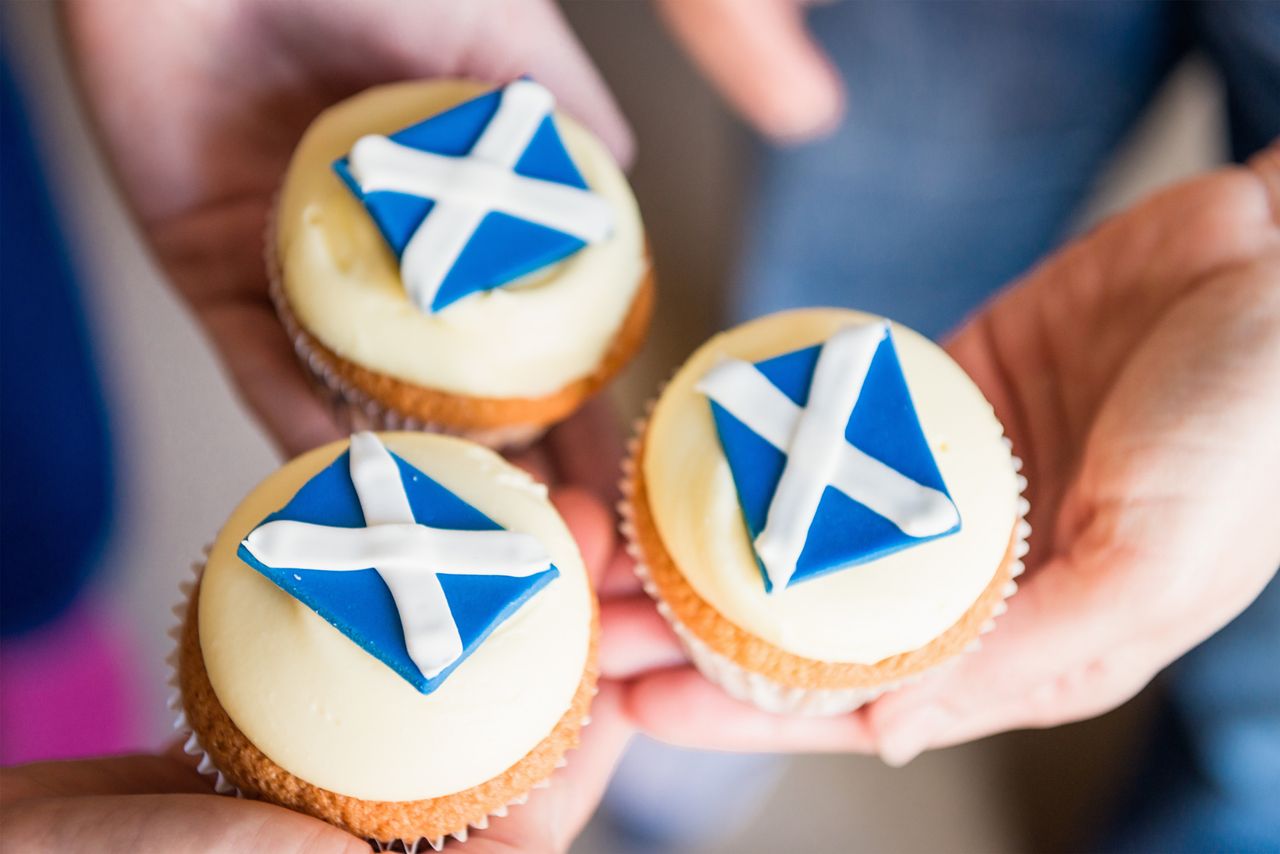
(184, 453)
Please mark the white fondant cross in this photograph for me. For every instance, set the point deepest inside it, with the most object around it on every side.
(465, 189)
(818, 455)
(407, 555)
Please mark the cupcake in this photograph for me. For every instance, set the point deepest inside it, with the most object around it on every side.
(823, 505)
(454, 258)
(393, 634)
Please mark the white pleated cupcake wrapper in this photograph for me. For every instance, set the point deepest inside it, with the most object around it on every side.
(355, 409)
(192, 747)
(755, 688)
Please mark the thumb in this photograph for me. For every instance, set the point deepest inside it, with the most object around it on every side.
(758, 54)
(1266, 167)
(1062, 653)
(587, 450)
(171, 823)
(555, 815)
(548, 50)
(591, 524)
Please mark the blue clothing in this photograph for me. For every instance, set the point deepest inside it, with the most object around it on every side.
(57, 486)
(1211, 781)
(975, 131)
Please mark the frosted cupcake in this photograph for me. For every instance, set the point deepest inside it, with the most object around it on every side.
(461, 259)
(824, 505)
(395, 635)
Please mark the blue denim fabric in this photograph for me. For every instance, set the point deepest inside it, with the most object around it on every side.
(1228, 692)
(974, 132)
(1212, 779)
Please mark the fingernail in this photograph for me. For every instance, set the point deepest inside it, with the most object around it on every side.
(805, 112)
(911, 735)
(798, 123)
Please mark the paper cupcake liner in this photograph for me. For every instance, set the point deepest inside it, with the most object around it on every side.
(355, 409)
(756, 688)
(205, 766)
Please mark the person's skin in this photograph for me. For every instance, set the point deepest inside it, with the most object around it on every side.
(159, 803)
(1137, 372)
(761, 59)
(199, 104)
(1111, 364)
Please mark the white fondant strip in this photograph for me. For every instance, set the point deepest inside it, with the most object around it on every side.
(436, 247)
(412, 546)
(376, 477)
(523, 106)
(749, 396)
(408, 556)
(482, 186)
(430, 634)
(917, 510)
(815, 447)
(465, 189)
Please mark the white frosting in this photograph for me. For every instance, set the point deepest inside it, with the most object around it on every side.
(329, 712)
(866, 613)
(817, 453)
(407, 555)
(466, 189)
(525, 339)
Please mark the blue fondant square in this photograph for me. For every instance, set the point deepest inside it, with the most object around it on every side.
(360, 605)
(503, 248)
(883, 425)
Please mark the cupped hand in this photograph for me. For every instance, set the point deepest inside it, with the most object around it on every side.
(199, 104)
(159, 803)
(1138, 373)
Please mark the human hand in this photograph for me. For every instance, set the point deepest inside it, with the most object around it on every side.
(1136, 372)
(584, 451)
(761, 59)
(554, 816)
(160, 803)
(199, 105)
(147, 803)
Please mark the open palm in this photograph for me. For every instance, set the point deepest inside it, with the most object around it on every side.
(1136, 372)
(199, 105)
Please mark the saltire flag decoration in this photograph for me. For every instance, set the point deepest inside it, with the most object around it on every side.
(831, 466)
(398, 563)
(477, 196)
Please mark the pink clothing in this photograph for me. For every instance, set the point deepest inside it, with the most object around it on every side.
(67, 690)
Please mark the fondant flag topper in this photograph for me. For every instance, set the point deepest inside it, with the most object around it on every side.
(476, 196)
(828, 457)
(399, 564)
